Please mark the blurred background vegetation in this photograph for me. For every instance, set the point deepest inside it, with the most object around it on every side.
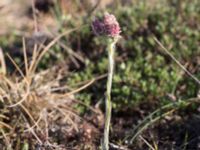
(145, 76)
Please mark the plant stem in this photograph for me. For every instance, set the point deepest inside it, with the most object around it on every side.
(108, 106)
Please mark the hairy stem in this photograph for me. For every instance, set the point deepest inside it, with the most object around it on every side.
(111, 50)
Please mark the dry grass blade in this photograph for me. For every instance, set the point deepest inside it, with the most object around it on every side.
(22, 74)
(147, 143)
(50, 45)
(79, 89)
(2, 124)
(84, 86)
(34, 15)
(16, 66)
(146, 125)
(25, 56)
(163, 111)
(3, 117)
(2, 62)
(8, 82)
(33, 132)
(22, 100)
(34, 125)
(182, 67)
(8, 145)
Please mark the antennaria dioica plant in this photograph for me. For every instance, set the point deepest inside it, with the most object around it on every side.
(109, 27)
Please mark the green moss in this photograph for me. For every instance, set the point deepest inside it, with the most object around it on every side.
(146, 72)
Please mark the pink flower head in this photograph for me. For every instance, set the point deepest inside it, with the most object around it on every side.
(98, 27)
(108, 25)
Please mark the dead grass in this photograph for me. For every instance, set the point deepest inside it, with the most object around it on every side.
(36, 106)
(32, 102)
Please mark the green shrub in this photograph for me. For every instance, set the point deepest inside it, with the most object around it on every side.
(143, 71)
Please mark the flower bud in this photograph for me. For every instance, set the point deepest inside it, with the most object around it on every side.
(107, 25)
